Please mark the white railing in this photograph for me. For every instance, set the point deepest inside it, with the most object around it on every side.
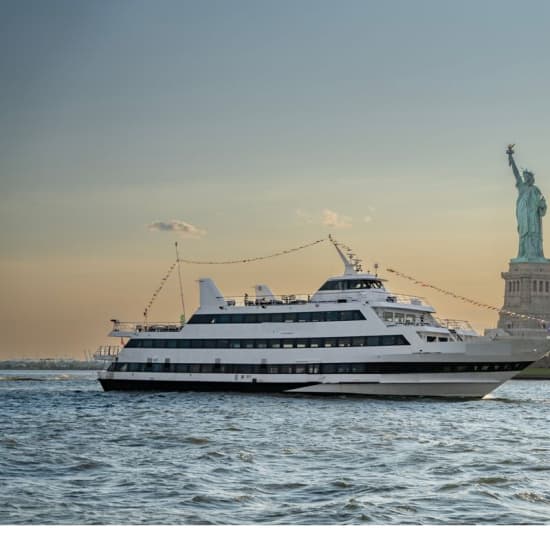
(278, 299)
(132, 327)
(456, 325)
(393, 298)
(106, 353)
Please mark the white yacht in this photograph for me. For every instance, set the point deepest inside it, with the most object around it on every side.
(352, 336)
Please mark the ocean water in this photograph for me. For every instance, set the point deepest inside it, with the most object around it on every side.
(73, 454)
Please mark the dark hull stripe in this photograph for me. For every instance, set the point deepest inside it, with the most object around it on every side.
(246, 387)
(175, 385)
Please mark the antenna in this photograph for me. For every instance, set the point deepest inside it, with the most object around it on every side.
(180, 283)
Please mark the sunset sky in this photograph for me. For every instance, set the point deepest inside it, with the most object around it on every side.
(258, 126)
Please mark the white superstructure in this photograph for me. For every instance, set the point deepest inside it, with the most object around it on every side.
(353, 336)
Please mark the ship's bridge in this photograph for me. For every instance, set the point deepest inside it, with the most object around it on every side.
(349, 287)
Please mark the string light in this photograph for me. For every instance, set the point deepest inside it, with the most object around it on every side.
(465, 299)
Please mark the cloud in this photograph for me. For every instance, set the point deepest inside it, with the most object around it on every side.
(367, 219)
(186, 229)
(333, 219)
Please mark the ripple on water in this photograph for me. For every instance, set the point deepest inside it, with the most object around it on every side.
(129, 458)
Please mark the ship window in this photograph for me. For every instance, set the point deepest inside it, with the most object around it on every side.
(358, 341)
(399, 317)
(288, 343)
(431, 338)
(301, 343)
(344, 342)
(274, 343)
(197, 343)
(249, 343)
(304, 316)
(330, 342)
(373, 340)
(443, 339)
(388, 316)
(261, 344)
(299, 370)
(316, 342)
(235, 343)
(330, 285)
(329, 369)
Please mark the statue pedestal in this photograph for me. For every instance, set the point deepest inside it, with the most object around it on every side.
(526, 292)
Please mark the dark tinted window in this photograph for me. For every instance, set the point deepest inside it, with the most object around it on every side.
(213, 343)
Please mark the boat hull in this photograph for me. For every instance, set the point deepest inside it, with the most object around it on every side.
(429, 384)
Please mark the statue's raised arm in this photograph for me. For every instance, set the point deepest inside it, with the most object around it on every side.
(512, 163)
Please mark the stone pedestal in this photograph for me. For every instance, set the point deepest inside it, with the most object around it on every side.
(527, 292)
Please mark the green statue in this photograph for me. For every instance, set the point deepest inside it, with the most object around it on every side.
(530, 208)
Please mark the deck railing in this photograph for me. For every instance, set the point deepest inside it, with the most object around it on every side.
(456, 325)
(140, 326)
(106, 353)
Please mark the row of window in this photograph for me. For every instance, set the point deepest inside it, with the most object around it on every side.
(539, 287)
(288, 317)
(329, 368)
(351, 284)
(254, 343)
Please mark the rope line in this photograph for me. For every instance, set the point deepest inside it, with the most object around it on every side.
(254, 259)
(464, 298)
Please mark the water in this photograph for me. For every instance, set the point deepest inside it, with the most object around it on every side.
(72, 454)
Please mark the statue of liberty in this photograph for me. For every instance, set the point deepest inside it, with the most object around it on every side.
(530, 208)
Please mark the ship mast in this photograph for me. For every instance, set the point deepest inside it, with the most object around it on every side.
(352, 265)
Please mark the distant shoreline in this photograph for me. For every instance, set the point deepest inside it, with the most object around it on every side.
(51, 365)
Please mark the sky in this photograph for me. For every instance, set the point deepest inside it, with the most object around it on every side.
(241, 128)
